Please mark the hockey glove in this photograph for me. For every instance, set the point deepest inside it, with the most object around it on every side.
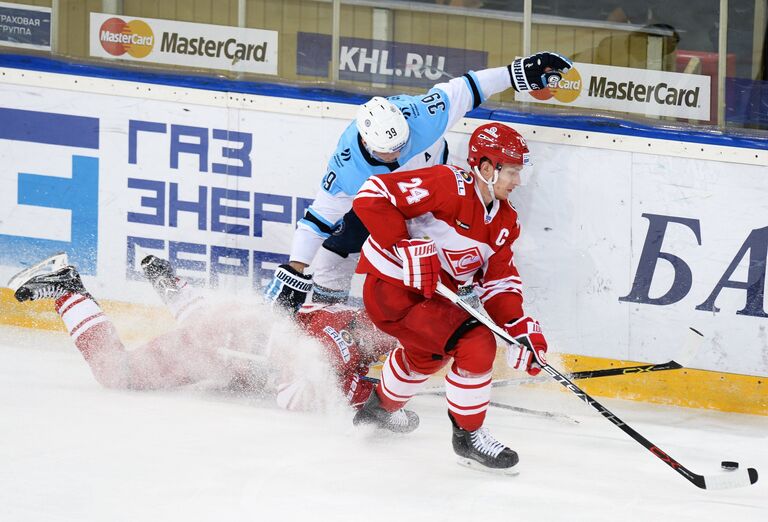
(421, 266)
(527, 332)
(538, 71)
(288, 289)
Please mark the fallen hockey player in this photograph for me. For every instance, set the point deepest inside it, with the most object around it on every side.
(225, 347)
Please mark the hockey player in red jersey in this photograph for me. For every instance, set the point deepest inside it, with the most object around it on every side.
(216, 347)
(443, 223)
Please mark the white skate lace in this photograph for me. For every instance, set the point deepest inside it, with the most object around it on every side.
(48, 292)
(484, 442)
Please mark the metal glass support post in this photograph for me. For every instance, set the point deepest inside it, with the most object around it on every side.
(335, 29)
(758, 36)
(527, 16)
(722, 55)
(55, 21)
(112, 6)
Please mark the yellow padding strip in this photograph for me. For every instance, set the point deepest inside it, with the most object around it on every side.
(690, 388)
(135, 323)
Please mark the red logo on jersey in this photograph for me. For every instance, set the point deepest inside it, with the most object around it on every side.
(464, 262)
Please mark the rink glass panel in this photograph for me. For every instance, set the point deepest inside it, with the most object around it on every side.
(654, 35)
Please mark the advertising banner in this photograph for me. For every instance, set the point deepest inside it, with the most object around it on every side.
(25, 26)
(383, 62)
(638, 91)
(620, 251)
(183, 43)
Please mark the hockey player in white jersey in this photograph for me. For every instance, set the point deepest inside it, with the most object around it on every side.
(444, 224)
(389, 134)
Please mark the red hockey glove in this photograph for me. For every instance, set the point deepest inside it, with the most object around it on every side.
(527, 332)
(421, 266)
(356, 389)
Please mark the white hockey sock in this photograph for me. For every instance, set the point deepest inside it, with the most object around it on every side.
(468, 398)
(185, 302)
(398, 385)
(80, 313)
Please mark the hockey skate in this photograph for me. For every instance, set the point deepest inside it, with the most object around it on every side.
(48, 279)
(400, 421)
(480, 450)
(160, 273)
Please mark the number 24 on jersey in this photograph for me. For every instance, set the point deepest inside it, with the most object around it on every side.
(413, 189)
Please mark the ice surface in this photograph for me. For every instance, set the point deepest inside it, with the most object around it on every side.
(73, 451)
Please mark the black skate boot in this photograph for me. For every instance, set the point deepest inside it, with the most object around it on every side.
(162, 276)
(49, 279)
(400, 421)
(478, 449)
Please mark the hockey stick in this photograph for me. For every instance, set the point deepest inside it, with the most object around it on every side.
(518, 409)
(732, 479)
(686, 356)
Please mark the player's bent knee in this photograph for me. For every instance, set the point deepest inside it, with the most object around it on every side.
(475, 351)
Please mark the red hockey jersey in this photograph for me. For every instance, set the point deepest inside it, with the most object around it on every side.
(443, 203)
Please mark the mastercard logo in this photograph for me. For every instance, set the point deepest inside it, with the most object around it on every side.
(118, 37)
(567, 89)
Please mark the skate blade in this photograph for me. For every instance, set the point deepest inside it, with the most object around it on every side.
(46, 266)
(473, 464)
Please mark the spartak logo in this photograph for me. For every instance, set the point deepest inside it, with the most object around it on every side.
(464, 262)
(118, 37)
(567, 89)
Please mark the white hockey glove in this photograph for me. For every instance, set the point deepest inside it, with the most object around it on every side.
(538, 71)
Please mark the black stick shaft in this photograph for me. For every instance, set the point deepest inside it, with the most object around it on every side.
(698, 480)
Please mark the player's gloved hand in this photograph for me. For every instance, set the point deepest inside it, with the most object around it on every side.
(356, 389)
(527, 332)
(538, 71)
(421, 266)
(288, 289)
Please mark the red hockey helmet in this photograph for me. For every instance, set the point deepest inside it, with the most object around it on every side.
(499, 144)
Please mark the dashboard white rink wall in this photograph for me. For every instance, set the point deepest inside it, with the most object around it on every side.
(216, 182)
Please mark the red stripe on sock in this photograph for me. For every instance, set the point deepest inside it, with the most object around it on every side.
(467, 386)
(61, 300)
(81, 323)
(482, 404)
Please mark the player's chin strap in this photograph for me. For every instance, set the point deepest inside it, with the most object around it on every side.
(490, 182)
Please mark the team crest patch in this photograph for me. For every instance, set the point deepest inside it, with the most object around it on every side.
(463, 262)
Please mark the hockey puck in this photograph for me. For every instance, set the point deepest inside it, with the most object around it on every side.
(729, 465)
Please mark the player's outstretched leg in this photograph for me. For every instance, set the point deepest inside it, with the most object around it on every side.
(479, 449)
(372, 412)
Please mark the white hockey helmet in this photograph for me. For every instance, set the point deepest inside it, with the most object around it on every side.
(382, 126)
